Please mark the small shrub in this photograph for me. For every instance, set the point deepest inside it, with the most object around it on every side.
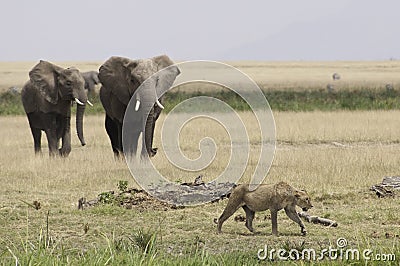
(107, 197)
(122, 185)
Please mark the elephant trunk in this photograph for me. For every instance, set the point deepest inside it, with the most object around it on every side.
(80, 110)
(148, 135)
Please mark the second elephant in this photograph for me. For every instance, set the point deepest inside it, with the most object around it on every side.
(91, 80)
(120, 78)
(47, 98)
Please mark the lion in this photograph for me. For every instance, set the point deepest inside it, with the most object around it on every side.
(272, 197)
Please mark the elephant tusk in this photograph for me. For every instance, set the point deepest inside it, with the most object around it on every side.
(159, 104)
(91, 104)
(79, 102)
(137, 105)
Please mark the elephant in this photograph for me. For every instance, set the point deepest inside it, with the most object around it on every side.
(47, 99)
(91, 80)
(120, 78)
(335, 76)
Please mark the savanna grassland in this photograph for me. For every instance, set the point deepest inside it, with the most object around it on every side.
(272, 75)
(335, 155)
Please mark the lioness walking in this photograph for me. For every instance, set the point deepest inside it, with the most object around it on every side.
(272, 197)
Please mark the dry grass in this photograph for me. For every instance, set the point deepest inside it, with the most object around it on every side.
(315, 75)
(336, 156)
(270, 75)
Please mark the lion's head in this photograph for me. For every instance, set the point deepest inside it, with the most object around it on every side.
(303, 200)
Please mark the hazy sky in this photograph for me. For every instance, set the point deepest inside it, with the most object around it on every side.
(207, 29)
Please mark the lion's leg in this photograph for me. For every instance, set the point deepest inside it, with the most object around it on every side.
(292, 214)
(228, 212)
(274, 220)
(249, 218)
(234, 203)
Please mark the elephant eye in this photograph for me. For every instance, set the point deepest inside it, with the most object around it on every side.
(68, 83)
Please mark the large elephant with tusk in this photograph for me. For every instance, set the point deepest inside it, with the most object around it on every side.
(120, 78)
(47, 98)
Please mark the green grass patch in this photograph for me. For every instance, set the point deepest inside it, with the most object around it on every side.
(10, 104)
(360, 99)
(279, 100)
(140, 248)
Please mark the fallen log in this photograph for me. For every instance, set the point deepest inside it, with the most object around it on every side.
(164, 196)
(317, 220)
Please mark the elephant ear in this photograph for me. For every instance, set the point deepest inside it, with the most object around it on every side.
(165, 79)
(44, 77)
(96, 77)
(115, 75)
(162, 61)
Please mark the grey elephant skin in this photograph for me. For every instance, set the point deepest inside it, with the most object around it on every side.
(47, 99)
(120, 78)
(91, 80)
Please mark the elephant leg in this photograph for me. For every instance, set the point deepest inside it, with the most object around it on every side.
(65, 128)
(37, 138)
(51, 133)
(52, 140)
(119, 144)
(36, 133)
(131, 142)
(135, 141)
(112, 132)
